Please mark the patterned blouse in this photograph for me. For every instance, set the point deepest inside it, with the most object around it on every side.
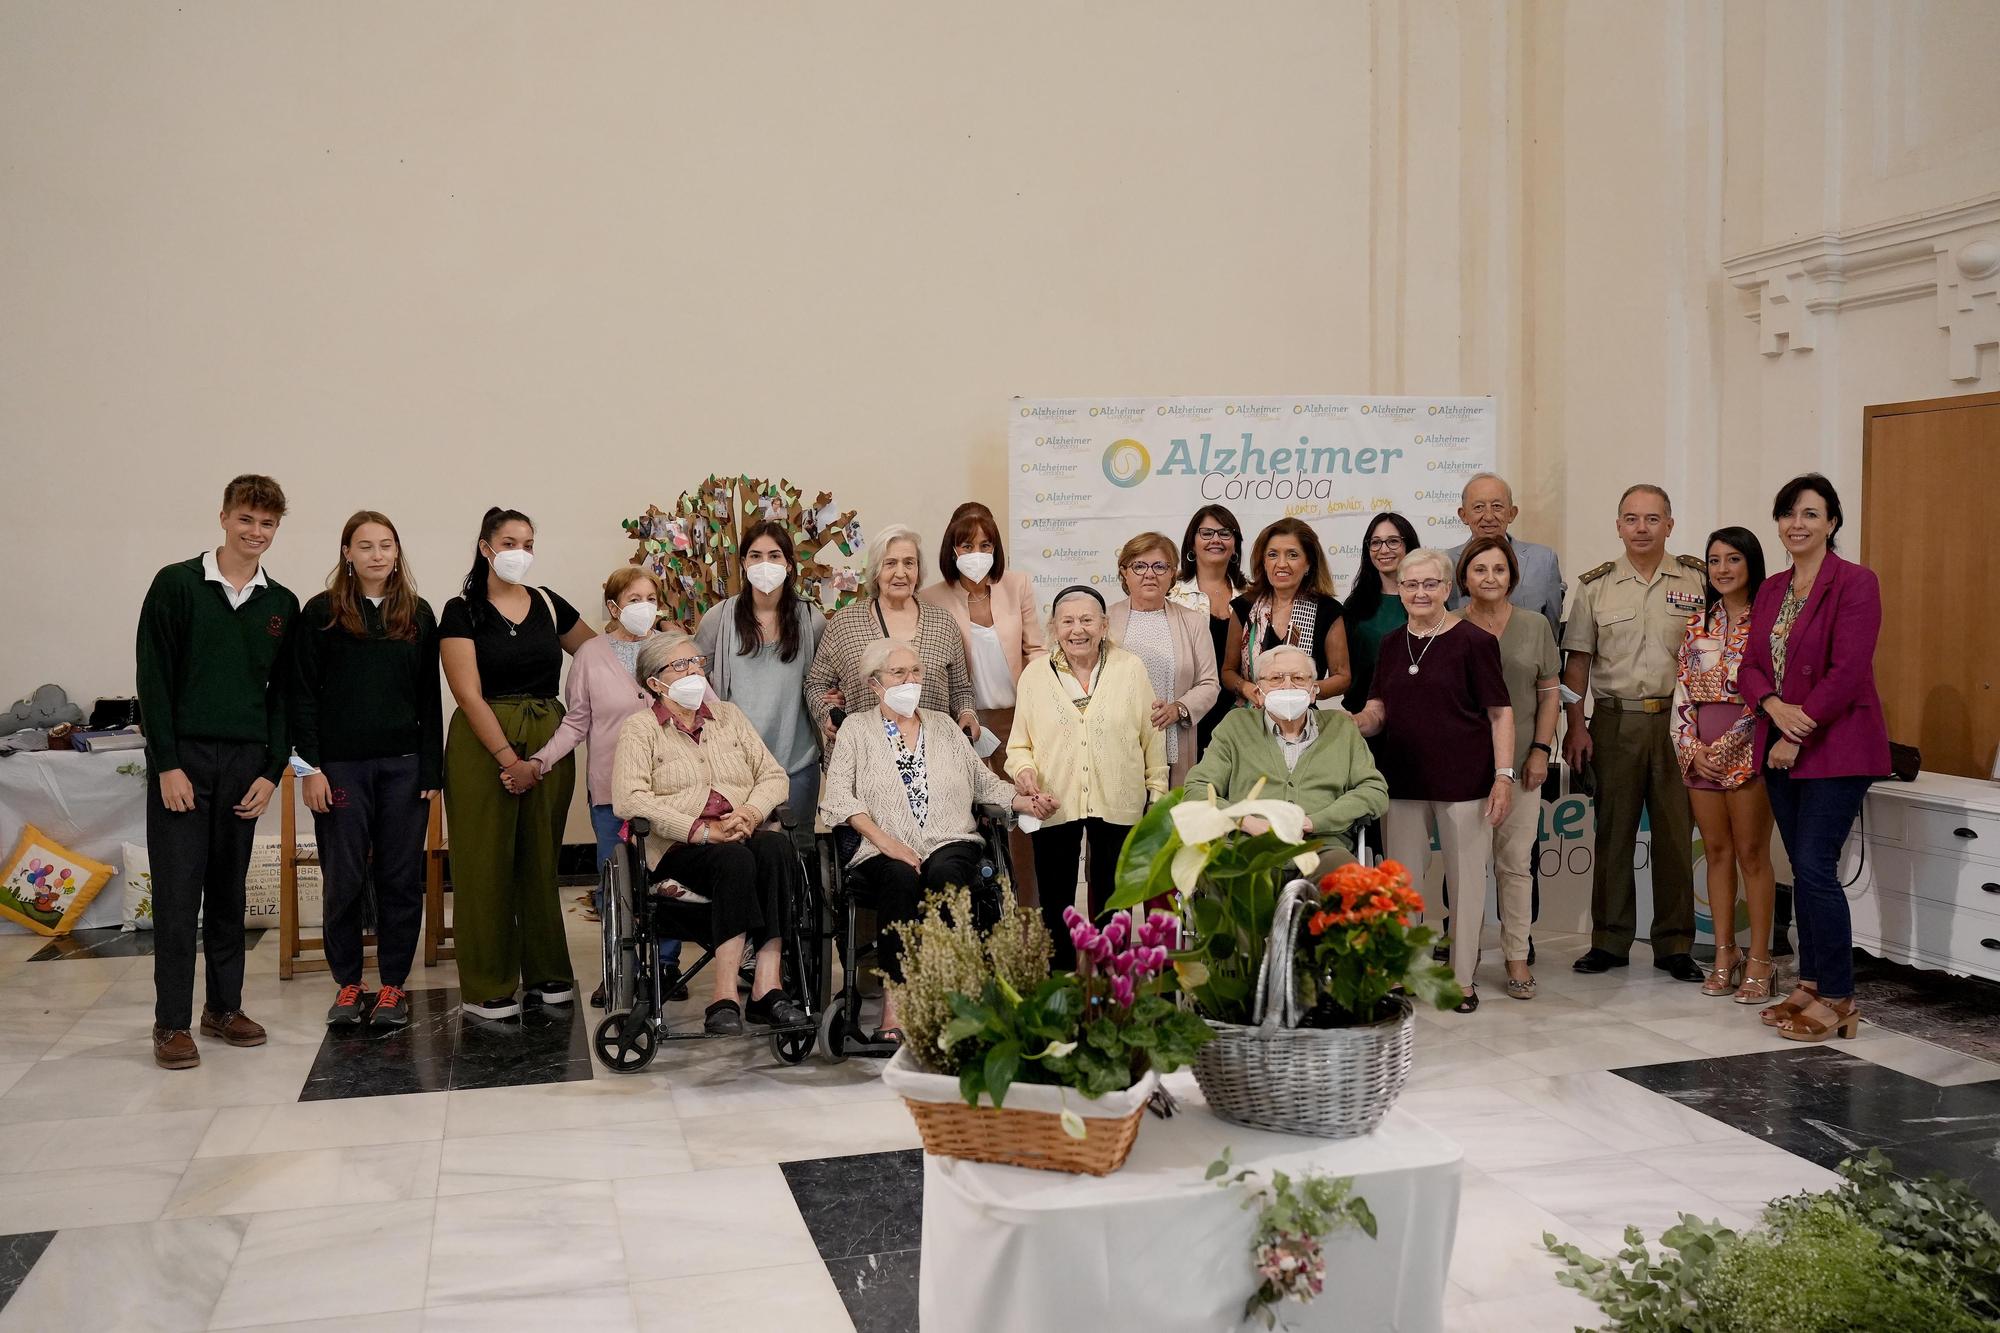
(1711, 654)
(1781, 631)
(910, 766)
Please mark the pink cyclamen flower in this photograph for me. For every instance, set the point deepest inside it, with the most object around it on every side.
(1122, 991)
(1072, 918)
(1118, 929)
(1100, 950)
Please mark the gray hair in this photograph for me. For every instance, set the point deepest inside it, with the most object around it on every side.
(1270, 656)
(878, 550)
(1466, 489)
(1055, 608)
(877, 654)
(656, 652)
(1426, 555)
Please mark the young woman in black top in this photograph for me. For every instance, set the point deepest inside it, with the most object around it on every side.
(366, 718)
(1289, 601)
(1210, 576)
(502, 644)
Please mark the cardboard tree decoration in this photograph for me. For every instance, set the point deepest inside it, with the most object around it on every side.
(695, 547)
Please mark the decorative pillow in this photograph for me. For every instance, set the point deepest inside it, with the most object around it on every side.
(138, 879)
(45, 886)
(261, 884)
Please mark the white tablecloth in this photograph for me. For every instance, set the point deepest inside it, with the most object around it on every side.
(86, 804)
(1155, 1247)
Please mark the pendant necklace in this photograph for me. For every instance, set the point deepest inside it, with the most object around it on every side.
(1415, 656)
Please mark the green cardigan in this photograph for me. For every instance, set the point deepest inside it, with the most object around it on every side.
(1336, 782)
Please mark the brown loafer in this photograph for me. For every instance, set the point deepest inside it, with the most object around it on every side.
(174, 1048)
(234, 1027)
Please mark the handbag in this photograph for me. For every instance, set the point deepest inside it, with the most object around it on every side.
(1905, 762)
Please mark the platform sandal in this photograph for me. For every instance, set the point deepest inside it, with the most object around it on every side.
(1821, 1019)
(1791, 1004)
(1724, 980)
(1756, 989)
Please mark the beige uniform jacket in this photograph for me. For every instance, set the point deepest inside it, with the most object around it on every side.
(1632, 627)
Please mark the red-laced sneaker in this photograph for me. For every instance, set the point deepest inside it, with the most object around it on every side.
(392, 1008)
(346, 1011)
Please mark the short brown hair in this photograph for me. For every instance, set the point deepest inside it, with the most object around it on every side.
(1139, 545)
(254, 491)
(624, 577)
(966, 521)
(1479, 546)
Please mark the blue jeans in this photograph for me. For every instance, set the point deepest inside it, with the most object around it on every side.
(1813, 816)
(606, 825)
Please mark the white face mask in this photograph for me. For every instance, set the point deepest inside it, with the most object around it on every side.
(767, 577)
(902, 699)
(688, 691)
(1288, 705)
(512, 565)
(638, 618)
(975, 565)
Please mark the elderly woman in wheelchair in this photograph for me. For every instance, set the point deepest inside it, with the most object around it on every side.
(695, 767)
(906, 780)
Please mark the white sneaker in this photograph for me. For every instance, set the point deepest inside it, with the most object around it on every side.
(502, 1008)
(554, 992)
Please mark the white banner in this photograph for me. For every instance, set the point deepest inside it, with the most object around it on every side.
(1087, 474)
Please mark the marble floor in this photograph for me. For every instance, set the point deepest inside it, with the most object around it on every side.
(491, 1180)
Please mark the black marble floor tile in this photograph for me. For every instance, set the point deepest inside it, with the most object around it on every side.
(866, 1216)
(19, 1254)
(443, 1049)
(1824, 1105)
(879, 1290)
(111, 942)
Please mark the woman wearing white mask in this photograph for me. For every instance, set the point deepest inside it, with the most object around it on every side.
(1440, 704)
(906, 780)
(759, 645)
(696, 768)
(502, 644)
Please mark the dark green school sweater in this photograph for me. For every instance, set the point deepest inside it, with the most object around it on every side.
(366, 697)
(209, 673)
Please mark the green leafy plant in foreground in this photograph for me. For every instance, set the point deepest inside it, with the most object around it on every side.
(1878, 1255)
(1296, 1216)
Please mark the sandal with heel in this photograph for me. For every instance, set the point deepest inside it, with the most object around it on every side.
(1821, 1019)
(1756, 989)
(1724, 980)
(1788, 1006)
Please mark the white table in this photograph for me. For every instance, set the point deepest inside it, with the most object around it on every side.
(1154, 1246)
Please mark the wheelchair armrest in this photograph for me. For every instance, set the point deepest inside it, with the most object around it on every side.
(1001, 816)
(784, 816)
(639, 826)
(1366, 821)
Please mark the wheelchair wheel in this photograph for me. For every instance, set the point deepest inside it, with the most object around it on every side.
(625, 1044)
(833, 1029)
(792, 1047)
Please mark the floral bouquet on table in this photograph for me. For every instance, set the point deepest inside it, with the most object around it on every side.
(1359, 949)
(984, 1010)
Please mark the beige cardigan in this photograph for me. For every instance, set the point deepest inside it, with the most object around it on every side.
(663, 775)
(1196, 683)
(861, 778)
(1016, 622)
(1104, 764)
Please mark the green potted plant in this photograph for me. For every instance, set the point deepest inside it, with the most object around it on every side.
(1314, 1028)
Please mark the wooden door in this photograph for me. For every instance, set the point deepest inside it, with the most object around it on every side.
(1931, 473)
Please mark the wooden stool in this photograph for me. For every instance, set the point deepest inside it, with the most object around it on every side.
(293, 945)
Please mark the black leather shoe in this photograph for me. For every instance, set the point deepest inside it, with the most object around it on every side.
(1679, 966)
(775, 1010)
(1597, 960)
(723, 1019)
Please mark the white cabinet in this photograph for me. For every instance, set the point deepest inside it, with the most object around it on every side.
(1925, 864)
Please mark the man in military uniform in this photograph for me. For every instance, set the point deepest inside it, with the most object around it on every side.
(1623, 639)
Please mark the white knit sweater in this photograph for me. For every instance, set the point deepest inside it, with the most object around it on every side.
(862, 779)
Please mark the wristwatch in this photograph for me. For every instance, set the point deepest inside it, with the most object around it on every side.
(1537, 745)
(1505, 774)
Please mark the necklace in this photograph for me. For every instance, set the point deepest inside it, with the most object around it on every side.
(1416, 658)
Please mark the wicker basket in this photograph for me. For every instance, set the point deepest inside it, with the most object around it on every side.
(1329, 1082)
(1026, 1132)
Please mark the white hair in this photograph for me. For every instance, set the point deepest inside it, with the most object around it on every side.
(1055, 610)
(878, 551)
(1426, 555)
(656, 652)
(1270, 656)
(877, 654)
(1466, 489)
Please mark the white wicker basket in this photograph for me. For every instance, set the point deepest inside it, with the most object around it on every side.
(1330, 1082)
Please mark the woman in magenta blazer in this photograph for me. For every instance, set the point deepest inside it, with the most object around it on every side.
(1810, 668)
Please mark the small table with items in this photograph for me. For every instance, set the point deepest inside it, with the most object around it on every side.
(1156, 1246)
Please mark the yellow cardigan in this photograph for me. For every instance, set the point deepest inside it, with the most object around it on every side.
(1104, 764)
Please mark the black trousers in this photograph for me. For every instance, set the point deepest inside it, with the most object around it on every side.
(374, 833)
(747, 884)
(199, 860)
(897, 892)
(1056, 847)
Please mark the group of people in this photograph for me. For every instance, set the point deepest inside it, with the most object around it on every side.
(1429, 699)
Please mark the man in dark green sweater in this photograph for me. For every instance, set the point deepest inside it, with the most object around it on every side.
(212, 644)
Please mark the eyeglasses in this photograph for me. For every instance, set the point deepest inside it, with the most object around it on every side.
(680, 666)
(1385, 543)
(897, 675)
(1420, 585)
(1299, 679)
(1153, 567)
(1213, 534)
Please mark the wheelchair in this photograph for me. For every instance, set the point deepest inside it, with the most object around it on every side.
(636, 919)
(841, 1032)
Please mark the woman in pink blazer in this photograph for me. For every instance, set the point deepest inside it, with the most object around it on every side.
(1171, 640)
(1809, 667)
